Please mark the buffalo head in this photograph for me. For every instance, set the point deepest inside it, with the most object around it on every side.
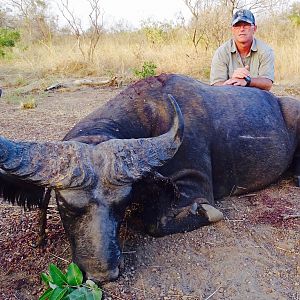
(93, 184)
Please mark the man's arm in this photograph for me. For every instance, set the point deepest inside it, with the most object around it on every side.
(238, 80)
(265, 77)
(219, 68)
(261, 83)
(258, 82)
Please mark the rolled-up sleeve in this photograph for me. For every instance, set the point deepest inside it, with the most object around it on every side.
(266, 67)
(219, 67)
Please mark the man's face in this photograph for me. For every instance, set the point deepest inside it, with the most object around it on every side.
(243, 32)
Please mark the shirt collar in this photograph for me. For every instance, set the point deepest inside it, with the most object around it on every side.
(253, 46)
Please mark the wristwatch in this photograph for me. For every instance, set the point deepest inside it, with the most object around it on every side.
(248, 80)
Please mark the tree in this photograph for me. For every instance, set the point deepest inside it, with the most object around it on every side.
(294, 14)
(4, 18)
(258, 6)
(211, 18)
(34, 18)
(207, 24)
(90, 36)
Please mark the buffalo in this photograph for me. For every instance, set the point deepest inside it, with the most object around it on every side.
(169, 144)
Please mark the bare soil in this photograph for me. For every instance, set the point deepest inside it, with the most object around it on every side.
(253, 254)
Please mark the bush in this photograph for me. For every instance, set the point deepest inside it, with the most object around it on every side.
(148, 69)
(68, 286)
(156, 33)
(295, 13)
(8, 39)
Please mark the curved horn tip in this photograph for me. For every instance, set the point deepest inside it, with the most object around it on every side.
(178, 118)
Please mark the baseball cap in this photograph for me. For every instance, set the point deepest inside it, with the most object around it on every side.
(243, 15)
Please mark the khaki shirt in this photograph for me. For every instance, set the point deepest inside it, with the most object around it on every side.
(226, 59)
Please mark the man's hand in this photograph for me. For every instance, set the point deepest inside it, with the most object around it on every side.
(238, 77)
(241, 72)
(235, 81)
(238, 80)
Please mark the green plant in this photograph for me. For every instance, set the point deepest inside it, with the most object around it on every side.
(68, 286)
(156, 32)
(295, 13)
(148, 69)
(8, 39)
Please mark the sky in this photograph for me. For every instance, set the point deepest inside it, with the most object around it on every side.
(132, 12)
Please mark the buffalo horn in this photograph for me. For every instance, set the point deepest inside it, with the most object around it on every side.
(52, 164)
(127, 160)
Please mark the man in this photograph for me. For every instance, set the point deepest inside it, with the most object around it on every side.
(243, 60)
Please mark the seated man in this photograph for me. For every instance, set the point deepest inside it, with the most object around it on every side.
(243, 60)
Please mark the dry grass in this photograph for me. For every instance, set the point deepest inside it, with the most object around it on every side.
(284, 38)
(119, 54)
(29, 103)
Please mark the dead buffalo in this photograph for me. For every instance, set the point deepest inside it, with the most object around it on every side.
(134, 149)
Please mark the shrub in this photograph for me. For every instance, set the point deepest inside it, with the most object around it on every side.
(8, 39)
(295, 13)
(156, 32)
(148, 69)
(68, 286)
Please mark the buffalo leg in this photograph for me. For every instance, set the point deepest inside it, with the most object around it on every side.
(193, 209)
(185, 219)
(43, 219)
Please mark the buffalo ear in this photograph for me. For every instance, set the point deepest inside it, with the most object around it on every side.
(20, 192)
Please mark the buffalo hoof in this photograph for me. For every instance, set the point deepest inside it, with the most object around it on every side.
(184, 219)
(213, 214)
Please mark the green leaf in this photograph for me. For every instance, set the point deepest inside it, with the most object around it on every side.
(74, 275)
(78, 294)
(92, 294)
(84, 293)
(58, 293)
(93, 291)
(46, 294)
(46, 278)
(71, 290)
(57, 275)
(95, 294)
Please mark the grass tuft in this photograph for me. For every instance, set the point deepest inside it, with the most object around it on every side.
(29, 103)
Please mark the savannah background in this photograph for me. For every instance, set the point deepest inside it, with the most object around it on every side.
(253, 254)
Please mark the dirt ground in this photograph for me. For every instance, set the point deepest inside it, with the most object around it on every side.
(253, 254)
